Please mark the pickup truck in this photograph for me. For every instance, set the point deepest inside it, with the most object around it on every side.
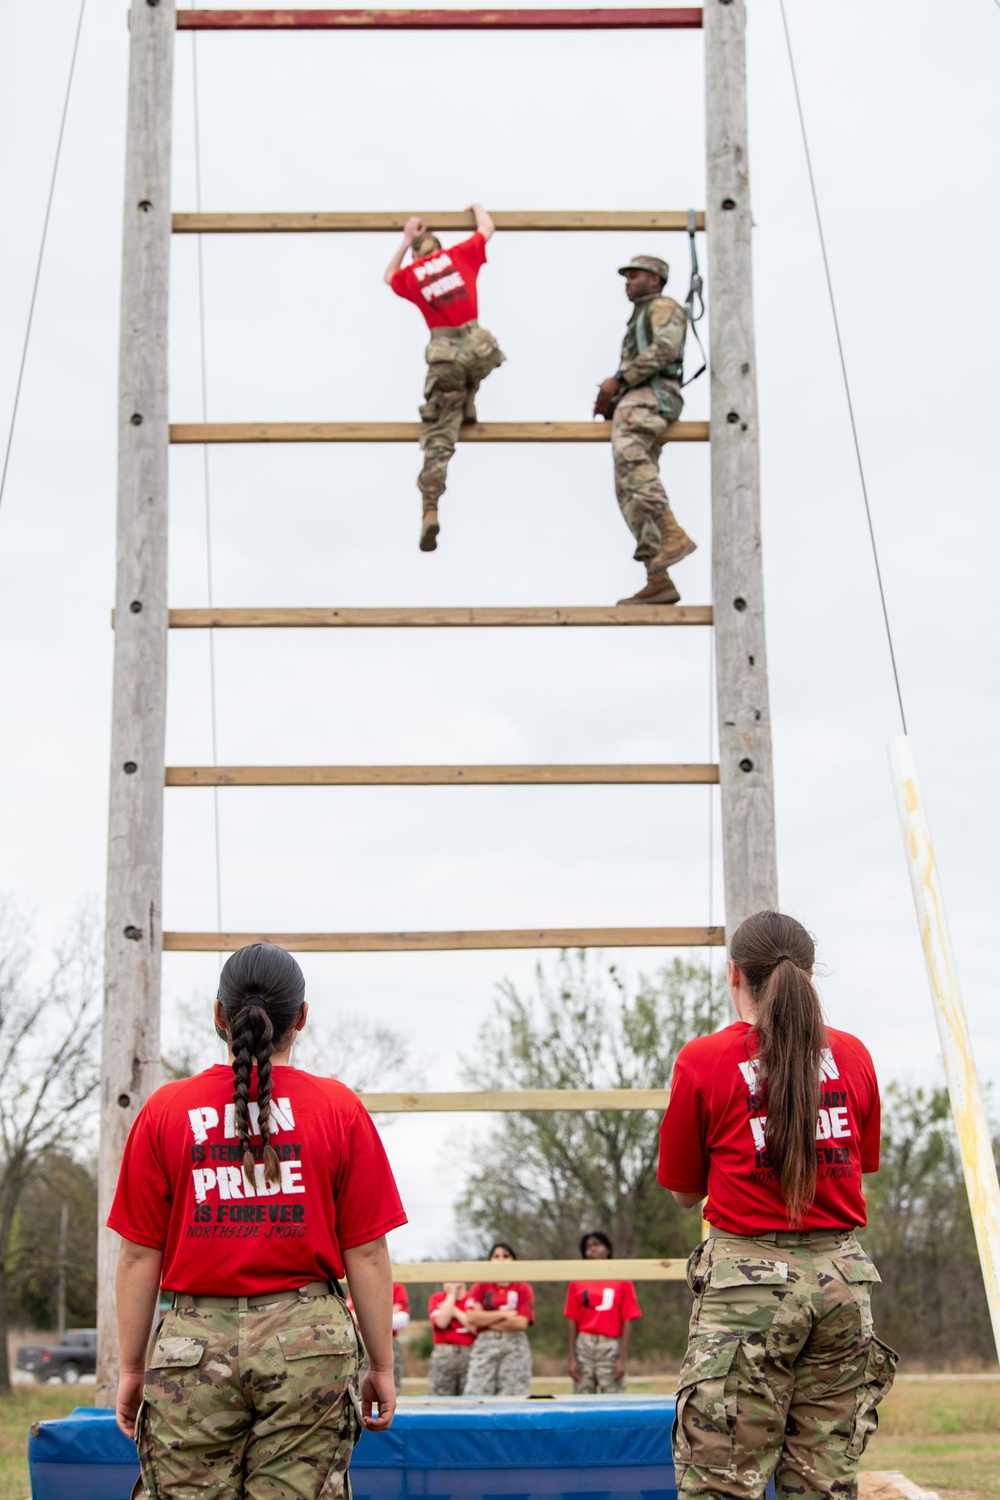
(75, 1356)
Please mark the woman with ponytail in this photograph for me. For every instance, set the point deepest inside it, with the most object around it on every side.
(245, 1194)
(773, 1120)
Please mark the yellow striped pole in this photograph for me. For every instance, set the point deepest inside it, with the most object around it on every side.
(981, 1180)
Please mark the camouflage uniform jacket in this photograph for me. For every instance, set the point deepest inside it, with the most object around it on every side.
(653, 349)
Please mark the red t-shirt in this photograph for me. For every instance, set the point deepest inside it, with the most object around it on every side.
(713, 1134)
(400, 1301)
(514, 1297)
(443, 284)
(456, 1332)
(601, 1306)
(182, 1187)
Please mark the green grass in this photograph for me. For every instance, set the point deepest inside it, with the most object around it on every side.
(27, 1404)
(942, 1433)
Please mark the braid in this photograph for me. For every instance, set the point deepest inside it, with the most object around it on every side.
(272, 1172)
(261, 991)
(252, 1037)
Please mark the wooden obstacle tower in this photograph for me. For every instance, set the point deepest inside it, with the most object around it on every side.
(135, 939)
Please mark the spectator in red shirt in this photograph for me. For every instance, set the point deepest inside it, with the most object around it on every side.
(442, 283)
(775, 1118)
(247, 1192)
(601, 1313)
(500, 1312)
(400, 1319)
(453, 1338)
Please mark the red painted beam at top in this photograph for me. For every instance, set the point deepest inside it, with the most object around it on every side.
(437, 20)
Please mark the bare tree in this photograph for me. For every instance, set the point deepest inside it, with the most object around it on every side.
(49, 1070)
(362, 1054)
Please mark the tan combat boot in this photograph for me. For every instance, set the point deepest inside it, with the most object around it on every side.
(659, 588)
(674, 542)
(429, 528)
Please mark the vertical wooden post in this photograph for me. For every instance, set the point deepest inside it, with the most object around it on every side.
(745, 771)
(131, 1033)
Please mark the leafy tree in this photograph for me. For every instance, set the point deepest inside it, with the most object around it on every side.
(48, 1075)
(932, 1305)
(545, 1178)
(59, 1179)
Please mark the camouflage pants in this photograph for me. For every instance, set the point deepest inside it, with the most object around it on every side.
(597, 1355)
(448, 1369)
(638, 433)
(458, 361)
(783, 1372)
(255, 1403)
(500, 1365)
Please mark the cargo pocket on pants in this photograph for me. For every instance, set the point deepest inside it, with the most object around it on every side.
(486, 354)
(444, 366)
(323, 1339)
(145, 1485)
(705, 1419)
(880, 1371)
(171, 1358)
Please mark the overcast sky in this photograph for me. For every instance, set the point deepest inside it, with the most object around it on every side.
(904, 114)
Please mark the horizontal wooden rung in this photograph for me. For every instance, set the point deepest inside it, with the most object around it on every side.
(501, 1100)
(486, 616)
(638, 220)
(438, 942)
(686, 18)
(409, 432)
(426, 1272)
(577, 775)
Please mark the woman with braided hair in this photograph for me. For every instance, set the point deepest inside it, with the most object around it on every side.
(774, 1119)
(247, 1192)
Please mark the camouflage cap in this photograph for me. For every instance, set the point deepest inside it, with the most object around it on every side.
(647, 263)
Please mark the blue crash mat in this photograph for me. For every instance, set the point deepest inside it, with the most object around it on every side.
(585, 1449)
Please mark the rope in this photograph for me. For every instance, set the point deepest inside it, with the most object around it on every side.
(206, 482)
(41, 249)
(843, 361)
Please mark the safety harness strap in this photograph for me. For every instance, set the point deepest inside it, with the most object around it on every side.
(694, 298)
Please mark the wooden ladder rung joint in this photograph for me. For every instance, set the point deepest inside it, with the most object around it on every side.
(480, 616)
(409, 432)
(499, 1101)
(457, 941)
(424, 1272)
(577, 775)
(557, 221)
(685, 18)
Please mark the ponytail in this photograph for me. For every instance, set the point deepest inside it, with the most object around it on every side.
(776, 955)
(260, 991)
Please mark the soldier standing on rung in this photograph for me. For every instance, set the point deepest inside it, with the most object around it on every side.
(442, 283)
(642, 400)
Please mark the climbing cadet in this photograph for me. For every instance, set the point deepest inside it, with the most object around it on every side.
(642, 399)
(246, 1192)
(500, 1312)
(460, 354)
(775, 1118)
(453, 1338)
(601, 1312)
